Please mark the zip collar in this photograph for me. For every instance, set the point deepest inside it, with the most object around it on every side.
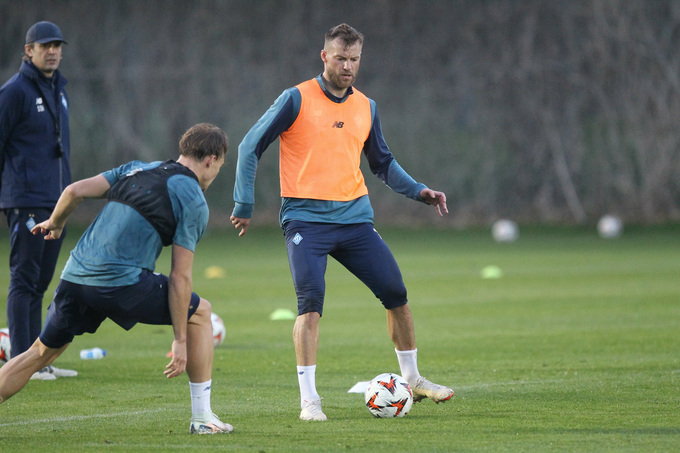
(32, 72)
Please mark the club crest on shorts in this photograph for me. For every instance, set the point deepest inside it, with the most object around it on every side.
(297, 239)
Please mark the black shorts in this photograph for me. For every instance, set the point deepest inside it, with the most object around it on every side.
(358, 247)
(77, 309)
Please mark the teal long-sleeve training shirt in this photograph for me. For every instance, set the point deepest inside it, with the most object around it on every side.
(281, 116)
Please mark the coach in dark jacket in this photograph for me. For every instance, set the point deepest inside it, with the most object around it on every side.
(34, 159)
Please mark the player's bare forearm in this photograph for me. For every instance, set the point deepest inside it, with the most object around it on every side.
(179, 297)
(436, 199)
(53, 227)
(71, 197)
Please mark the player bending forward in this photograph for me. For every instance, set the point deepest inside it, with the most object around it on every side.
(324, 124)
(110, 272)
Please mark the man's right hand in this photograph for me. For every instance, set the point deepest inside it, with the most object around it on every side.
(241, 223)
(48, 229)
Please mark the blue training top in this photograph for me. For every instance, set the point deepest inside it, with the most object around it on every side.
(281, 116)
(121, 243)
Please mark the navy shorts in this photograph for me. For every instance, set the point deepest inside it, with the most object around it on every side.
(77, 309)
(358, 247)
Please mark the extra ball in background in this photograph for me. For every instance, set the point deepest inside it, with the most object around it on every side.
(388, 395)
(5, 345)
(219, 331)
(504, 230)
(609, 227)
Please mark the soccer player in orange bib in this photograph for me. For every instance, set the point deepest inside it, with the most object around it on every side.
(324, 125)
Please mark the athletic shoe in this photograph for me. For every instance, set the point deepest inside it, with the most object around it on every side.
(426, 389)
(61, 372)
(311, 410)
(209, 425)
(43, 375)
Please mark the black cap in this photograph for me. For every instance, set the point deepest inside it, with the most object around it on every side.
(43, 32)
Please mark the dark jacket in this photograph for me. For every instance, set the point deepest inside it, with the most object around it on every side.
(34, 167)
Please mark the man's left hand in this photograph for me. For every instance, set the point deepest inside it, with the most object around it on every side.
(436, 199)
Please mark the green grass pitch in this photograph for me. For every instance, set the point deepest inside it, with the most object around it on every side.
(575, 348)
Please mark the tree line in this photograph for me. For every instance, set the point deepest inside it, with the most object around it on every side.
(541, 111)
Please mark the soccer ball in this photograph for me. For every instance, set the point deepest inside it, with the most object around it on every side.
(504, 230)
(5, 346)
(388, 395)
(219, 331)
(609, 227)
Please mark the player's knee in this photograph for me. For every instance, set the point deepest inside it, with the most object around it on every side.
(204, 306)
(311, 314)
(45, 354)
(310, 301)
(202, 313)
(390, 304)
(393, 297)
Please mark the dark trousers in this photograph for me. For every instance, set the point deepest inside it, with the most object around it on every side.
(32, 262)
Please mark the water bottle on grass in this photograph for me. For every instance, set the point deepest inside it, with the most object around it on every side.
(94, 353)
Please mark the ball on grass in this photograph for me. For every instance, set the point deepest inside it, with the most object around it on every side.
(5, 345)
(388, 395)
(505, 230)
(609, 227)
(219, 331)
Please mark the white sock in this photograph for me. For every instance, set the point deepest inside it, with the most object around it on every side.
(307, 381)
(408, 363)
(200, 398)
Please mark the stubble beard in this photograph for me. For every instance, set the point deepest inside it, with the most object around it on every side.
(339, 82)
